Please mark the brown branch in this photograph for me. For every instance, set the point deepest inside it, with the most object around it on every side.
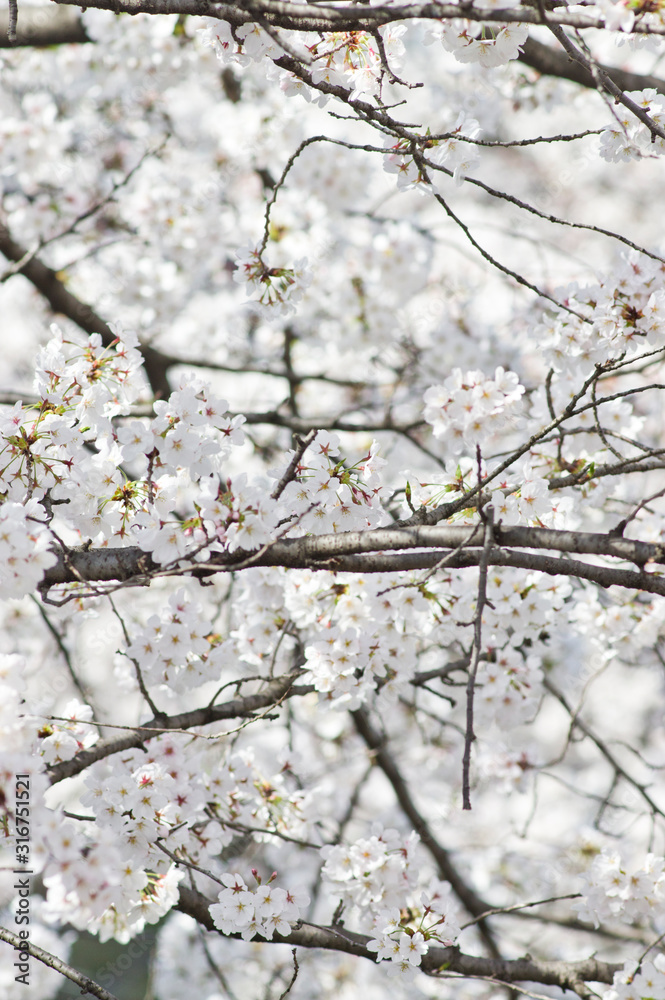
(552, 62)
(340, 17)
(86, 984)
(384, 562)
(548, 216)
(104, 564)
(42, 26)
(619, 770)
(602, 576)
(45, 26)
(605, 81)
(646, 463)
(12, 22)
(566, 975)
(290, 473)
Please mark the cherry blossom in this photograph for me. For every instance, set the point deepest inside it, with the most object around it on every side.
(331, 500)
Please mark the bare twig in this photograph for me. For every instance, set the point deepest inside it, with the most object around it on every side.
(469, 737)
(301, 447)
(293, 977)
(85, 984)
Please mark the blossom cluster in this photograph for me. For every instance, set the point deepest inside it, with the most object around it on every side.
(358, 636)
(80, 386)
(157, 796)
(349, 59)
(329, 495)
(107, 884)
(266, 909)
(24, 547)
(276, 289)
(475, 42)
(338, 666)
(510, 687)
(634, 982)
(186, 442)
(374, 873)
(454, 152)
(533, 502)
(471, 407)
(613, 891)
(62, 740)
(622, 629)
(628, 138)
(352, 59)
(177, 648)
(621, 15)
(526, 498)
(403, 937)
(244, 792)
(168, 795)
(84, 392)
(324, 494)
(376, 876)
(364, 635)
(622, 314)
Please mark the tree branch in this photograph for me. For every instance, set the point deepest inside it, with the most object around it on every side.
(483, 565)
(46, 26)
(42, 26)
(566, 975)
(619, 770)
(339, 17)
(245, 707)
(606, 81)
(81, 564)
(552, 62)
(86, 984)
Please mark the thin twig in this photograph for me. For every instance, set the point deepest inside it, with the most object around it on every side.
(302, 446)
(469, 737)
(293, 977)
(86, 984)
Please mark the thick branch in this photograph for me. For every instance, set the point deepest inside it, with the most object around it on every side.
(553, 62)
(339, 17)
(45, 26)
(328, 550)
(567, 975)
(603, 576)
